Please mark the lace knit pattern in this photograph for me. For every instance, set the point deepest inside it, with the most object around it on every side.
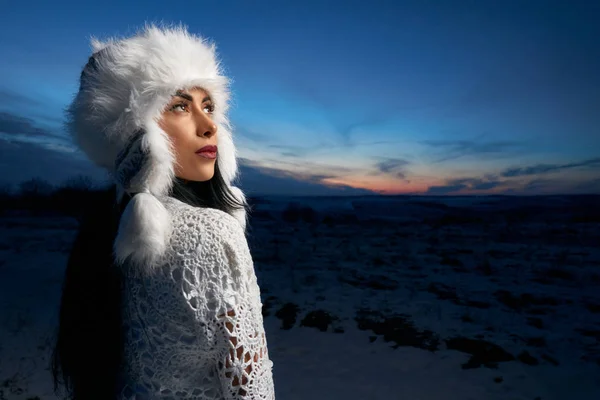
(194, 329)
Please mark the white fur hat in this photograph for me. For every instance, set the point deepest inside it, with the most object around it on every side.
(124, 89)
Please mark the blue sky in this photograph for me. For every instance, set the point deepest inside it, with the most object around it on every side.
(344, 97)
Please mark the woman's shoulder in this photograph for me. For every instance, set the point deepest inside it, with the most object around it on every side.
(206, 234)
(203, 221)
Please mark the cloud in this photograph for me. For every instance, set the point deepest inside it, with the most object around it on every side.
(252, 135)
(290, 151)
(60, 147)
(393, 166)
(56, 165)
(445, 189)
(486, 185)
(588, 186)
(12, 124)
(347, 126)
(549, 168)
(9, 97)
(11, 101)
(23, 161)
(536, 185)
(456, 185)
(515, 180)
(300, 169)
(258, 180)
(350, 120)
(290, 154)
(294, 151)
(560, 185)
(453, 149)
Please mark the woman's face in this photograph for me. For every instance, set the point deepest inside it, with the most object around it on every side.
(187, 120)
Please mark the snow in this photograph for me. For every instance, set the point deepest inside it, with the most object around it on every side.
(417, 297)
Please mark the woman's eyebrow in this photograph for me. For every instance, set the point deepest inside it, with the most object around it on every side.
(184, 95)
(190, 98)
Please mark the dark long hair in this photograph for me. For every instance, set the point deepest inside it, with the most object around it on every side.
(88, 350)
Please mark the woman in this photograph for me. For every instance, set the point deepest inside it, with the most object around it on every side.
(160, 299)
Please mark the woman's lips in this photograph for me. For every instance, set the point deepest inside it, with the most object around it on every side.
(207, 152)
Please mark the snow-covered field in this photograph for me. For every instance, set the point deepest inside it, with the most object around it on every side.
(376, 297)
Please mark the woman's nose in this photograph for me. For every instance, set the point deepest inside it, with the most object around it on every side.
(208, 132)
(205, 126)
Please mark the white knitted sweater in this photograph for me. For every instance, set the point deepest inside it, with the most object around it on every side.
(194, 327)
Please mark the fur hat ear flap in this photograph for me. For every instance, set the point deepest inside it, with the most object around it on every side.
(144, 232)
(143, 168)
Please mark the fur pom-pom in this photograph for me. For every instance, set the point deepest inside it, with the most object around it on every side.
(144, 232)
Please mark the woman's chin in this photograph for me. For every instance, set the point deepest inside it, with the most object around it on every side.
(200, 176)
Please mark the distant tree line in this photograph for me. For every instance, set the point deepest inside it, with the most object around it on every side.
(72, 198)
(38, 196)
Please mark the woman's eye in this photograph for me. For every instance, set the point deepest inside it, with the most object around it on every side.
(209, 108)
(179, 106)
